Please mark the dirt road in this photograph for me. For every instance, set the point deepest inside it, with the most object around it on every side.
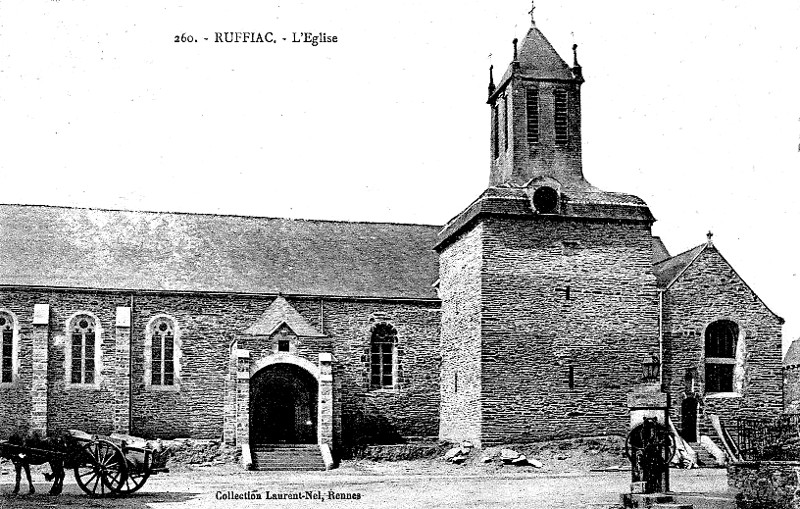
(379, 486)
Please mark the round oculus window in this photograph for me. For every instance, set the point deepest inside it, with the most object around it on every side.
(545, 200)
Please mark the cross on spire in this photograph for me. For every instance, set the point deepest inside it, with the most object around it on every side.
(533, 8)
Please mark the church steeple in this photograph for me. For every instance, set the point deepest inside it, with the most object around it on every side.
(536, 116)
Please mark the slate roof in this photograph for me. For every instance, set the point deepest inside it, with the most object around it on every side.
(278, 313)
(792, 357)
(668, 270)
(113, 249)
(660, 252)
(536, 59)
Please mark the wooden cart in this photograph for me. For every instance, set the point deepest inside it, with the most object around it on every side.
(103, 466)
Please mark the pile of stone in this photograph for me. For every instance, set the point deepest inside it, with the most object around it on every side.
(459, 454)
(202, 452)
(513, 458)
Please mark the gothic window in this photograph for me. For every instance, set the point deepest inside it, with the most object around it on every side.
(720, 343)
(561, 117)
(83, 349)
(7, 349)
(532, 107)
(162, 352)
(382, 358)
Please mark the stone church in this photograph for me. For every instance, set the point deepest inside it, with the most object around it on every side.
(526, 317)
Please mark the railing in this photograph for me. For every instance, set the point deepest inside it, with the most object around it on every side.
(764, 440)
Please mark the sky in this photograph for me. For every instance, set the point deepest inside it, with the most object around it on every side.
(692, 106)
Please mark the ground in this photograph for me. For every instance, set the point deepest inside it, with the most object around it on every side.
(406, 484)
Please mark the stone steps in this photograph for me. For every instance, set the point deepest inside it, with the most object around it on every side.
(704, 458)
(287, 457)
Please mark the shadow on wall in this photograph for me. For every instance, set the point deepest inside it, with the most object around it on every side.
(360, 429)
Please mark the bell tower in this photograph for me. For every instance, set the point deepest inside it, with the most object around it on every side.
(549, 302)
(536, 116)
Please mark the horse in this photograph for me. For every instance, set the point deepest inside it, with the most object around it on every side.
(24, 460)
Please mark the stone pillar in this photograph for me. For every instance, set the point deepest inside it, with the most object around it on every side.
(229, 406)
(325, 407)
(242, 396)
(122, 372)
(41, 341)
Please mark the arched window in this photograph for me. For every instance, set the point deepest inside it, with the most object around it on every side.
(83, 336)
(8, 348)
(162, 349)
(383, 356)
(721, 338)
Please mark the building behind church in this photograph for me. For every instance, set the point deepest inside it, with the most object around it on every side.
(526, 317)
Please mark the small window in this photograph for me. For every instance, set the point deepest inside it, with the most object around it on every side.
(83, 349)
(561, 117)
(163, 352)
(382, 356)
(532, 111)
(7, 348)
(720, 348)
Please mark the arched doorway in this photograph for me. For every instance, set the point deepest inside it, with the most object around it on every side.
(283, 406)
(689, 419)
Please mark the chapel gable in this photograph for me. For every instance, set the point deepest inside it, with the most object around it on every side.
(722, 344)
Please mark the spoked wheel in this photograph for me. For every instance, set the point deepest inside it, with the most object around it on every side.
(101, 469)
(135, 479)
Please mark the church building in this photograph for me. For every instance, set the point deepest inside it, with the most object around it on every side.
(526, 317)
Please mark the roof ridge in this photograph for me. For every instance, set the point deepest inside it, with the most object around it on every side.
(211, 214)
(679, 254)
(700, 248)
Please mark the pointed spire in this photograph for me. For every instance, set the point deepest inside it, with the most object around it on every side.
(533, 8)
(492, 88)
(515, 41)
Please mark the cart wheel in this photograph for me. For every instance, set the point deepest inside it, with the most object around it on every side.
(101, 470)
(135, 479)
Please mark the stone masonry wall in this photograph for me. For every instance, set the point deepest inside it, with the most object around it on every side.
(765, 485)
(460, 267)
(15, 399)
(711, 290)
(208, 324)
(90, 408)
(535, 331)
(385, 415)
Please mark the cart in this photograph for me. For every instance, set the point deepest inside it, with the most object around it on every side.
(107, 466)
